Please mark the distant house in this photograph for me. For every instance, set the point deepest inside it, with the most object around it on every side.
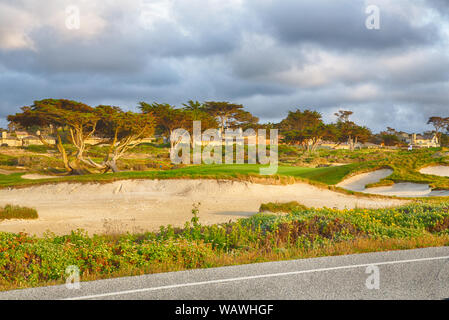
(95, 140)
(10, 141)
(34, 140)
(148, 140)
(21, 134)
(23, 138)
(334, 145)
(419, 140)
(370, 145)
(424, 141)
(403, 136)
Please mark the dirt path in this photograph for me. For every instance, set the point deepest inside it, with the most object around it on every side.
(138, 205)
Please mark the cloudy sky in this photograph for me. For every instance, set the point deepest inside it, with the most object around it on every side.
(270, 55)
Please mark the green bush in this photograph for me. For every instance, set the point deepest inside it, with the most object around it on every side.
(17, 212)
(281, 207)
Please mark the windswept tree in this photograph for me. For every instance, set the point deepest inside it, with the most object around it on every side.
(299, 120)
(32, 117)
(195, 107)
(120, 129)
(440, 124)
(388, 139)
(78, 118)
(343, 115)
(123, 130)
(350, 132)
(168, 118)
(195, 111)
(230, 115)
(391, 131)
(305, 128)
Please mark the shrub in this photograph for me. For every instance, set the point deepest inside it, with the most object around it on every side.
(28, 261)
(17, 212)
(281, 207)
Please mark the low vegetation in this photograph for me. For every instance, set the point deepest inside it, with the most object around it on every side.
(304, 232)
(17, 212)
(275, 207)
(316, 168)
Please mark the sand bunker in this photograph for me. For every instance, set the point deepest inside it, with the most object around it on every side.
(36, 176)
(442, 171)
(358, 183)
(141, 205)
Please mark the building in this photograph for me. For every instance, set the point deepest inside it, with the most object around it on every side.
(34, 140)
(98, 141)
(21, 134)
(10, 141)
(424, 141)
(419, 140)
(23, 138)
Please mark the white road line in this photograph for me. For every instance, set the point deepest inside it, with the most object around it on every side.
(101, 295)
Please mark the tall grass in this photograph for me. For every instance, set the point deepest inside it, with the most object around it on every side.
(281, 207)
(17, 212)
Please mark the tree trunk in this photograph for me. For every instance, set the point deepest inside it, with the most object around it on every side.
(78, 168)
(112, 165)
(351, 143)
(63, 153)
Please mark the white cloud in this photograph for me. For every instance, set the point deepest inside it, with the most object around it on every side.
(15, 25)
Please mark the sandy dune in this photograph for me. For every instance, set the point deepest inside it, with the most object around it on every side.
(138, 205)
(406, 189)
(359, 182)
(442, 171)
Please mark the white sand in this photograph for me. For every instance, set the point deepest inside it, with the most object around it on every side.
(406, 189)
(36, 176)
(359, 182)
(141, 205)
(442, 171)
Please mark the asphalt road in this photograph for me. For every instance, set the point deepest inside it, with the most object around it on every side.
(410, 274)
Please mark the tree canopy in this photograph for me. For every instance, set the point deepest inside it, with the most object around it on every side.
(230, 115)
(118, 128)
(305, 128)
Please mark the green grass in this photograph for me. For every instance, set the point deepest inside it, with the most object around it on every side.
(13, 179)
(17, 212)
(405, 166)
(37, 148)
(330, 175)
(275, 207)
(6, 160)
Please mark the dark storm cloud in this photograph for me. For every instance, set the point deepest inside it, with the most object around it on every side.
(441, 5)
(340, 25)
(272, 56)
